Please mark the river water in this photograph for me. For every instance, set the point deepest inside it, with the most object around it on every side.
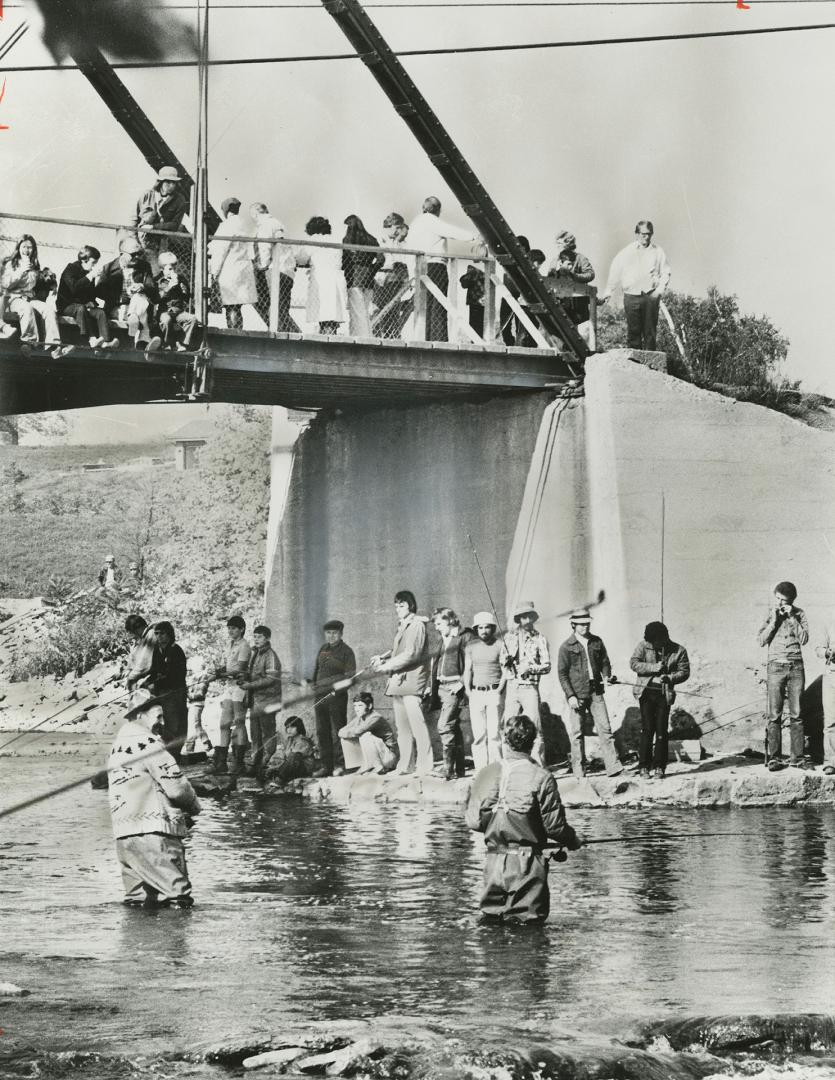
(324, 912)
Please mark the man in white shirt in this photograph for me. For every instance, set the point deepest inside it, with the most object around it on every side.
(642, 271)
(268, 257)
(428, 233)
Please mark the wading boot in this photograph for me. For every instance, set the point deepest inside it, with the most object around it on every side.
(239, 763)
(218, 765)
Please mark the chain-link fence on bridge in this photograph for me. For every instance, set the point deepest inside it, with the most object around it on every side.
(314, 287)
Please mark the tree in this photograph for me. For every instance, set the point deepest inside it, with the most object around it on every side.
(14, 427)
(724, 348)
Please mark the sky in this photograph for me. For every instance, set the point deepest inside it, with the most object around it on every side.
(722, 143)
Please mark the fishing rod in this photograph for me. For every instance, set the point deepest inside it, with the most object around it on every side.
(687, 693)
(510, 662)
(560, 853)
(86, 709)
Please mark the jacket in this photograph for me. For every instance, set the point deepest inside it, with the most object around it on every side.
(648, 662)
(264, 678)
(296, 746)
(373, 722)
(826, 650)
(573, 670)
(150, 795)
(530, 812)
(409, 647)
(528, 652)
(145, 663)
(359, 267)
(163, 213)
(784, 634)
(449, 663)
(333, 663)
(111, 285)
(173, 295)
(117, 575)
(75, 287)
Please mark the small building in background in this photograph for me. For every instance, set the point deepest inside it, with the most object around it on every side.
(187, 441)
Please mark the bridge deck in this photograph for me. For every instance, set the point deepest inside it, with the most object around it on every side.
(309, 372)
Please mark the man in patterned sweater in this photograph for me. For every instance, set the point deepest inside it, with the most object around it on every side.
(151, 806)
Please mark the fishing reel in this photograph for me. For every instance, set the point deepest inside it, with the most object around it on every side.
(558, 855)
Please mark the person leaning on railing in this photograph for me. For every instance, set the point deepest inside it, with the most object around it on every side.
(394, 292)
(161, 208)
(359, 268)
(77, 298)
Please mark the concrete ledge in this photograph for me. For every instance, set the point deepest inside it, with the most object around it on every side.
(736, 781)
(655, 360)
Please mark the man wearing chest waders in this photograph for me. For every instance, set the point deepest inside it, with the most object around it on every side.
(516, 804)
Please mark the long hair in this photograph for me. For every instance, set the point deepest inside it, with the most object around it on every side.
(356, 233)
(14, 258)
(318, 226)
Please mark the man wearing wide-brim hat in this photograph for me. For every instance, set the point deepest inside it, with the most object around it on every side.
(584, 668)
(151, 804)
(161, 208)
(527, 659)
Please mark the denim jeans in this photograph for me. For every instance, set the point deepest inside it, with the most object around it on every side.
(449, 728)
(655, 729)
(595, 705)
(785, 681)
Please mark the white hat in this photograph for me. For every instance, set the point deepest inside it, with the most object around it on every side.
(484, 618)
(110, 558)
(581, 615)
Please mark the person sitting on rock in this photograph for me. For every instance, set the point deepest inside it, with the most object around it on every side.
(296, 759)
(374, 734)
(516, 804)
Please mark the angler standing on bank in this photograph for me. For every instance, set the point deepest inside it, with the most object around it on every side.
(516, 804)
(660, 664)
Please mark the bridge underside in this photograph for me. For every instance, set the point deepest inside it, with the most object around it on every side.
(307, 372)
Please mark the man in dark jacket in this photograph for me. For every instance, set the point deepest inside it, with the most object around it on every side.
(171, 687)
(263, 684)
(161, 209)
(660, 664)
(145, 660)
(583, 667)
(335, 662)
(130, 264)
(77, 299)
(516, 804)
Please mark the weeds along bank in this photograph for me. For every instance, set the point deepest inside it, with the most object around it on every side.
(199, 536)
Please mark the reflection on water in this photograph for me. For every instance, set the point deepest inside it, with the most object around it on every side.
(317, 911)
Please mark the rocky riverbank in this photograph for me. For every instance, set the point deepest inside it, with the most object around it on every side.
(740, 780)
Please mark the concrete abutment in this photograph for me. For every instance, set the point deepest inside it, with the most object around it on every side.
(563, 498)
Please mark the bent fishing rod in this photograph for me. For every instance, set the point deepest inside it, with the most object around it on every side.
(560, 854)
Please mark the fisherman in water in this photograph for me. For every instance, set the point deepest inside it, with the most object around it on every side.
(516, 804)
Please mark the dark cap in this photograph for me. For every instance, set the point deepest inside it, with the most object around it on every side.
(334, 624)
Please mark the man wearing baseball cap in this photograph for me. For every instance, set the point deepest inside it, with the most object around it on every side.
(484, 682)
(526, 659)
(151, 804)
(583, 667)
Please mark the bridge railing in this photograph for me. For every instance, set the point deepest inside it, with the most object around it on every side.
(314, 286)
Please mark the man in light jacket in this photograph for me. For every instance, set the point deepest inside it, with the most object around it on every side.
(642, 271)
(408, 663)
(526, 657)
(660, 664)
(583, 666)
(151, 804)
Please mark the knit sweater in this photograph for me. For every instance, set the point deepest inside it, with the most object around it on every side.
(150, 795)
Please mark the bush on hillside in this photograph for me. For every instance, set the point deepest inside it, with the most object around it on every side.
(725, 350)
(73, 643)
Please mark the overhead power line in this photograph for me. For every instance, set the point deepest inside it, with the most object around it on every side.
(461, 50)
(478, 4)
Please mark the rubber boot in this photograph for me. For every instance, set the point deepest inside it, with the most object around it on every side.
(449, 761)
(218, 764)
(238, 764)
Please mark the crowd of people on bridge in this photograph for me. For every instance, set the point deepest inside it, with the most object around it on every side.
(147, 290)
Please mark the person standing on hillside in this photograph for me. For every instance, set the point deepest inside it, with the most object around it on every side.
(263, 686)
(660, 665)
(784, 631)
(484, 682)
(584, 667)
(642, 271)
(448, 678)
(151, 806)
(526, 658)
(171, 686)
(232, 699)
(335, 661)
(516, 804)
(110, 580)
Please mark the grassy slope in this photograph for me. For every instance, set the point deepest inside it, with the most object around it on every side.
(68, 524)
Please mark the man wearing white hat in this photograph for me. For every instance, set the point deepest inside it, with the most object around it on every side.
(484, 682)
(526, 658)
(583, 666)
(151, 804)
